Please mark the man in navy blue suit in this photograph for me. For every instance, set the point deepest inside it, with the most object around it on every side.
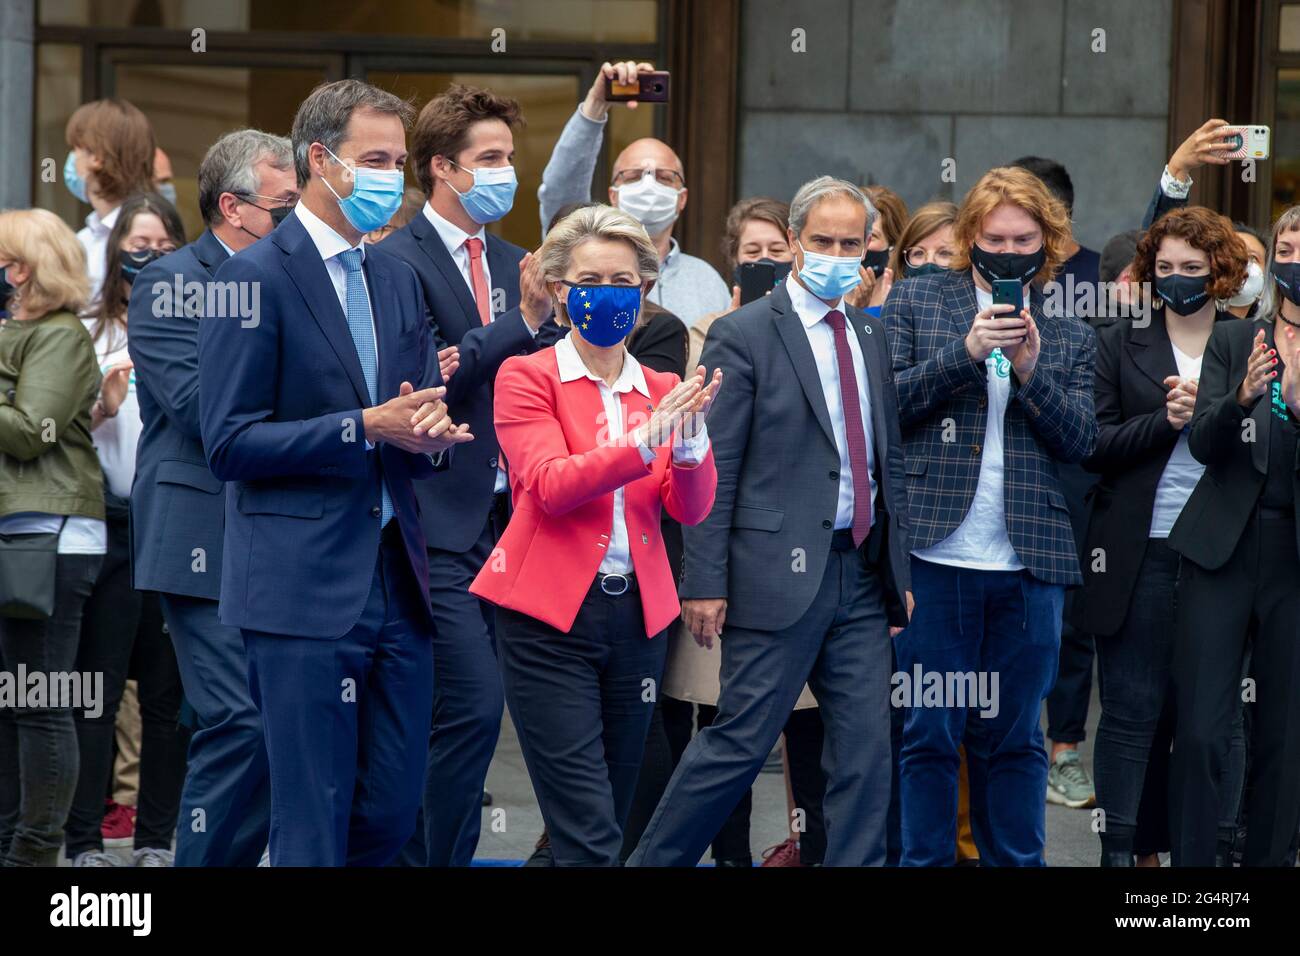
(462, 148)
(320, 405)
(246, 184)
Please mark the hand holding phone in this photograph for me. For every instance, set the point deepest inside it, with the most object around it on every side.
(645, 87)
(597, 102)
(1000, 326)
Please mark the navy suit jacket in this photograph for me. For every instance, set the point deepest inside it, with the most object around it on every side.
(178, 506)
(943, 408)
(281, 396)
(456, 501)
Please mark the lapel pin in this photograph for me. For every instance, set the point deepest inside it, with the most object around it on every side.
(645, 538)
(867, 329)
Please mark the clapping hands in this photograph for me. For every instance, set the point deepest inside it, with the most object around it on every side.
(684, 409)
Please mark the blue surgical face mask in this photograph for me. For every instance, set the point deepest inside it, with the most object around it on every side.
(376, 195)
(492, 194)
(829, 277)
(76, 185)
(604, 315)
(168, 192)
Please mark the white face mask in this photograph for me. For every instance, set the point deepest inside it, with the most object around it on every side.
(1252, 288)
(649, 202)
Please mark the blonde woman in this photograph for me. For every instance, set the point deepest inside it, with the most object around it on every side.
(597, 446)
(52, 503)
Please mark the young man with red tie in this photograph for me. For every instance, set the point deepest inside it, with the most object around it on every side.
(486, 298)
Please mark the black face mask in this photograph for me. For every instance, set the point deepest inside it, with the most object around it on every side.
(1007, 265)
(1287, 275)
(924, 269)
(278, 215)
(876, 260)
(7, 289)
(1183, 294)
(133, 262)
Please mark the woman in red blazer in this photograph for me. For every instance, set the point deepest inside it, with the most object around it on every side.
(596, 445)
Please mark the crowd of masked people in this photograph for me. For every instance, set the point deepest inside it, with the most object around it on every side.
(347, 476)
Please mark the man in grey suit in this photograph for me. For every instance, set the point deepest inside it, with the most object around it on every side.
(801, 568)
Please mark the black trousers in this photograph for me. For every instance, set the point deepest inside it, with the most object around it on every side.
(1258, 585)
(123, 635)
(581, 704)
(38, 744)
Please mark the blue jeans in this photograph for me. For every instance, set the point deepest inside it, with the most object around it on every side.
(1002, 625)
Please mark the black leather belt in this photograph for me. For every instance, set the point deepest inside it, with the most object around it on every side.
(615, 585)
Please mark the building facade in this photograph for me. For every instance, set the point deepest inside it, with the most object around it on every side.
(919, 95)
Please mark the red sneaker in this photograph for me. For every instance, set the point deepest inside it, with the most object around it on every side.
(118, 828)
(783, 854)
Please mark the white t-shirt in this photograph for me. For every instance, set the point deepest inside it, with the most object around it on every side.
(116, 438)
(1182, 471)
(981, 541)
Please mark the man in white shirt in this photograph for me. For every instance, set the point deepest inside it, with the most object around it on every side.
(801, 566)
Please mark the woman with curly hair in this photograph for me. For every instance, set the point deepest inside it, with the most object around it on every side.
(1241, 559)
(1145, 391)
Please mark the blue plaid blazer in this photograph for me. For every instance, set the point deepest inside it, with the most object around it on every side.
(943, 409)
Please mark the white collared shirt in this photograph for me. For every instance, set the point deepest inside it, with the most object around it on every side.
(330, 244)
(94, 239)
(981, 540)
(812, 314)
(618, 556)
(454, 237)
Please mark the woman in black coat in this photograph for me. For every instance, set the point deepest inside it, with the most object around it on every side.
(1145, 391)
(1241, 561)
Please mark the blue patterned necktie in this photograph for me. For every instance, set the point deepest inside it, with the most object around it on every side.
(362, 327)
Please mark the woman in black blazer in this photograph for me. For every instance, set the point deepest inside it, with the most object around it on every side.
(1145, 388)
(1241, 553)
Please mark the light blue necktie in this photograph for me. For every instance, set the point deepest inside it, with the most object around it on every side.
(362, 327)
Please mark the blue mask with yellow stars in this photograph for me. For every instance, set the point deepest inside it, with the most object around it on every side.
(604, 315)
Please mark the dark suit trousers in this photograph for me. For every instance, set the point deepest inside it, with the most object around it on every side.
(347, 725)
(581, 703)
(467, 700)
(1215, 611)
(226, 804)
(840, 647)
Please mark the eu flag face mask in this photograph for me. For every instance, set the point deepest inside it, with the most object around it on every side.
(376, 195)
(492, 194)
(604, 315)
(829, 277)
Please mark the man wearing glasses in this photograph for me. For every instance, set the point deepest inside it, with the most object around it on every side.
(648, 184)
(246, 186)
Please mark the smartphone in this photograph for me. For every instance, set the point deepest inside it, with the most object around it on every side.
(1248, 142)
(648, 88)
(1008, 292)
(757, 279)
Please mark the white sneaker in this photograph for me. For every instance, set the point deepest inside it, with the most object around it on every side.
(95, 858)
(266, 858)
(153, 857)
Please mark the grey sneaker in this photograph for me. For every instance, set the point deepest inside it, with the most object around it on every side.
(1068, 784)
(95, 858)
(153, 857)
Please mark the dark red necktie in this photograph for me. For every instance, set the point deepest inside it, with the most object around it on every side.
(853, 431)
